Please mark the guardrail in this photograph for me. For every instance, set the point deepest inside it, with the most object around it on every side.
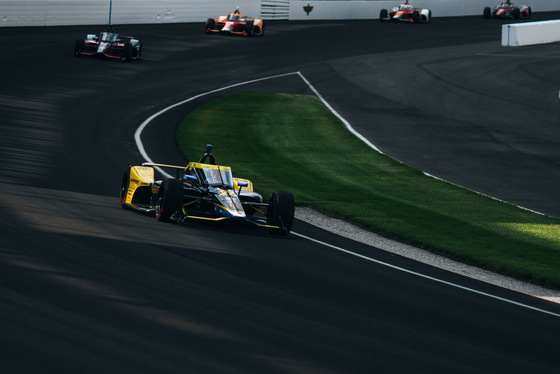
(518, 34)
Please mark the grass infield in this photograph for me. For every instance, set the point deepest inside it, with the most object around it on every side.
(294, 143)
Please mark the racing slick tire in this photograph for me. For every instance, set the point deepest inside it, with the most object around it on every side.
(138, 52)
(416, 16)
(169, 199)
(383, 15)
(79, 47)
(487, 12)
(124, 187)
(248, 29)
(210, 25)
(529, 12)
(516, 13)
(127, 52)
(280, 212)
(257, 30)
(428, 18)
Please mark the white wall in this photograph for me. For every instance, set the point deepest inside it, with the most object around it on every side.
(370, 9)
(96, 12)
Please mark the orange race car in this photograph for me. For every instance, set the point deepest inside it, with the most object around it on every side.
(235, 23)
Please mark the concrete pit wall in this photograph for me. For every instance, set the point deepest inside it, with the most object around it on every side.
(96, 12)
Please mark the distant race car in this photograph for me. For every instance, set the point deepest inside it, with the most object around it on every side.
(407, 13)
(235, 23)
(109, 44)
(205, 192)
(508, 10)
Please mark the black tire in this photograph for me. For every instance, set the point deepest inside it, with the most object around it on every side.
(249, 29)
(124, 187)
(79, 47)
(416, 16)
(210, 25)
(383, 15)
(487, 12)
(127, 52)
(529, 12)
(516, 13)
(280, 212)
(139, 51)
(169, 199)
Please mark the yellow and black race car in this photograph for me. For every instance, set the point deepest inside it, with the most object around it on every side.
(204, 191)
(235, 23)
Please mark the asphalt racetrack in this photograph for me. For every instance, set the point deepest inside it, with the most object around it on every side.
(88, 287)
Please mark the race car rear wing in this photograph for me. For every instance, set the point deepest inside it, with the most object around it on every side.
(163, 165)
(178, 168)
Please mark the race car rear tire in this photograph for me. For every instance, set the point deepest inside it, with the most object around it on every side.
(124, 187)
(487, 12)
(210, 25)
(280, 212)
(383, 15)
(79, 47)
(169, 199)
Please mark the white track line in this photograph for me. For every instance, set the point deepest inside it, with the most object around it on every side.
(346, 123)
(137, 138)
(139, 130)
(425, 276)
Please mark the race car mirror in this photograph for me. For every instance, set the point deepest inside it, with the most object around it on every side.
(241, 185)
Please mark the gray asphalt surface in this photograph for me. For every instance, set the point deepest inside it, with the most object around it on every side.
(86, 286)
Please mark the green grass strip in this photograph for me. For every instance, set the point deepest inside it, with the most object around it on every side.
(293, 143)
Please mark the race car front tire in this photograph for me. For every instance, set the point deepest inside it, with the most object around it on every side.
(428, 18)
(138, 52)
(383, 15)
(248, 29)
(169, 199)
(416, 16)
(124, 187)
(127, 52)
(257, 30)
(280, 212)
(210, 25)
(79, 47)
(487, 12)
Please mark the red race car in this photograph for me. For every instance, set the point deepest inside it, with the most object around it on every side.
(235, 23)
(508, 10)
(407, 13)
